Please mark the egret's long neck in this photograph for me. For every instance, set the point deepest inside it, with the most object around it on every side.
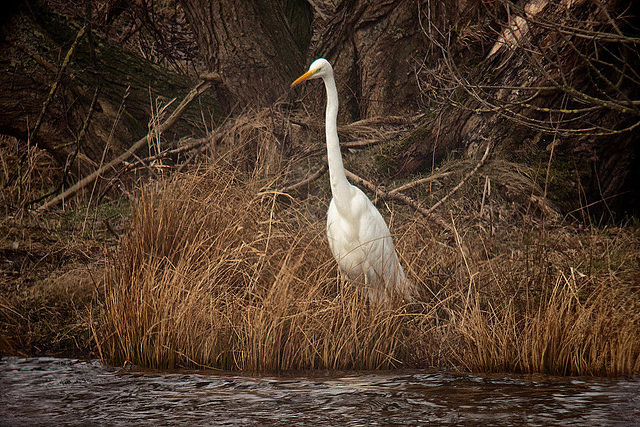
(340, 187)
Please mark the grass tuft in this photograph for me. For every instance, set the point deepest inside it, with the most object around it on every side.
(216, 272)
(211, 274)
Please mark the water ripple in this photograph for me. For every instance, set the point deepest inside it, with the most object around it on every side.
(46, 391)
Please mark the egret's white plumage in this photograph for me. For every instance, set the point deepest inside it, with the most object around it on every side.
(358, 234)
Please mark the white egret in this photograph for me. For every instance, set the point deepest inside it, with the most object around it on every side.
(358, 234)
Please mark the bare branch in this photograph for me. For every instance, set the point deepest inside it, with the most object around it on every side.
(461, 183)
(399, 197)
(434, 177)
(156, 130)
(307, 180)
(54, 86)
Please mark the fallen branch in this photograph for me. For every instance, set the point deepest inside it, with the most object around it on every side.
(195, 143)
(396, 194)
(461, 183)
(307, 180)
(397, 197)
(200, 88)
(417, 182)
(386, 195)
(363, 143)
(392, 120)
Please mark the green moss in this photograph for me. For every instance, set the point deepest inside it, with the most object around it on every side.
(559, 177)
(387, 159)
(119, 72)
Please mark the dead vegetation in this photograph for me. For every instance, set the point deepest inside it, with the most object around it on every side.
(219, 272)
(50, 266)
(219, 268)
(224, 263)
(215, 275)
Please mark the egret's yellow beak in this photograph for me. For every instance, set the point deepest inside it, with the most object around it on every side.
(304, 77)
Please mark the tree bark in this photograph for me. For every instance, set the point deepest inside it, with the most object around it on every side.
(528, 77)
(257, 46)
(555, 87)
(541, 79)
(34, 42)
(379, 48)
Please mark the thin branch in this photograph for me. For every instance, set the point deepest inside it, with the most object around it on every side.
(200, 88)
(363, 143)
(54, 86)
(307, 180)
(399, 197)
(71, 159)
(197, 143)
(461, 183)
(390, 120)
(417, 182)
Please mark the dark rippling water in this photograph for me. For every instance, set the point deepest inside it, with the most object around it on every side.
(49, 391)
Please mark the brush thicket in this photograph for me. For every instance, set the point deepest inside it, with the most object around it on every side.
(212, 274)
(217, 272)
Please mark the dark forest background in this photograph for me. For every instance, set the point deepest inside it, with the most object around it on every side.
(553, 85)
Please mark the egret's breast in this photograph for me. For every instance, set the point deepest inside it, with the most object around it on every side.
(344, 241)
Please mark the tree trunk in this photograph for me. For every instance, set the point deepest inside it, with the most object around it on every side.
(257, 46)
(545, 78)
(34, 43)
(378, 49)
(548, 79)
(558, 86)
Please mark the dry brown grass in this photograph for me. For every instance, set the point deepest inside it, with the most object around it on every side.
(214, 274)
(558, 301)
(217, 272)
(561, 336)
(49, 265)
(25, 175)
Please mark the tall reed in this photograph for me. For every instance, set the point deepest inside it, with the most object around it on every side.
(217, 272)
(211, 275)
(554, 319)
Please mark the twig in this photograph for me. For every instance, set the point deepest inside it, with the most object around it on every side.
(197, 90)
(363, 143)
(45, 106)
(395, 120)
(397, 197)
(54, 87)
(415, 183)
(307, 180)
(196, 143)
(73, 156)
(461, 183)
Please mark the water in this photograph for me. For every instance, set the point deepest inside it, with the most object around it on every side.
(49, 391)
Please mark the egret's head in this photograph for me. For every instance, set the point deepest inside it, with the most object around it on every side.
(320, 68)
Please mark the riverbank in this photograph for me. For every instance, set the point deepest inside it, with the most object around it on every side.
(217, 272)
(213, 269)
(51, 268)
